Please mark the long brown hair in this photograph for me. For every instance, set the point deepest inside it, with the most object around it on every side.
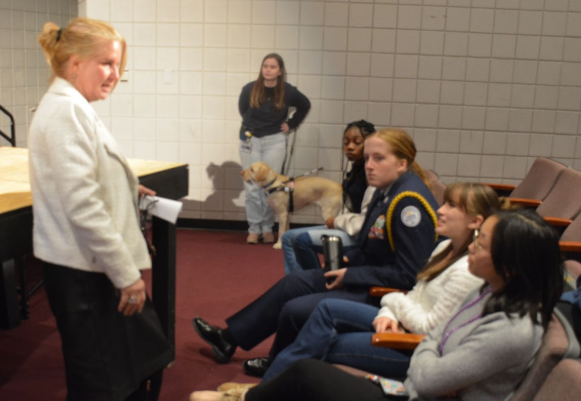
(403, 147)
(474, 200)
(83, 37)
(258, 94)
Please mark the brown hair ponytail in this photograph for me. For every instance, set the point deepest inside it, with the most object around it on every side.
(403, 147)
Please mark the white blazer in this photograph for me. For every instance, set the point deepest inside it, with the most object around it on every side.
(84, 192)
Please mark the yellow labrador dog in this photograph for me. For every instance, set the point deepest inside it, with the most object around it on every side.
(306, 190)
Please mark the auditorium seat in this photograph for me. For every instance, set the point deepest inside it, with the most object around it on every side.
(570, 241)
(558, 343)
(436, 186)
(536, 184)
(563, 383)
(564, 199)
(563, 203)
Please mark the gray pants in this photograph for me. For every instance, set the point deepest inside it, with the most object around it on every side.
(270, 149)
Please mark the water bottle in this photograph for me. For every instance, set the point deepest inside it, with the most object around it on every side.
(333, 252)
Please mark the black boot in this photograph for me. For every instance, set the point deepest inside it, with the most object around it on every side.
(213, 335)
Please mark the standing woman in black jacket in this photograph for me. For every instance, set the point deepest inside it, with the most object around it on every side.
(264, 106)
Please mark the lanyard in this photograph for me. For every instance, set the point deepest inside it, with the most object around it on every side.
(447, 333)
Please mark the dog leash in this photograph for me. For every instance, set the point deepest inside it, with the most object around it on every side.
(313, 171)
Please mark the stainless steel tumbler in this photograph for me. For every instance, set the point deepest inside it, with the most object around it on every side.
(333, 252)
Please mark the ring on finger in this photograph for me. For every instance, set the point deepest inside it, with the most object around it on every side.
(132, 300)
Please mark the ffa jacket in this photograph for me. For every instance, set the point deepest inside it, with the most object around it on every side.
(397, 237)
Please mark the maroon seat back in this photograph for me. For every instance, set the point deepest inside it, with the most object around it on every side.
(563, 384)
(436, 186)
(558, 342)
(573, 230)
(564, 199)
(539, 180)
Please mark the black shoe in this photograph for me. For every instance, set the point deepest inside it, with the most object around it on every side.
(256, 367)
(221, 348)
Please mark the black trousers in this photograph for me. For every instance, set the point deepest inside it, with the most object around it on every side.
(284, 309)
(108, 356)
(314, 380)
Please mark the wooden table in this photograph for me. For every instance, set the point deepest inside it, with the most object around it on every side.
(170, 180)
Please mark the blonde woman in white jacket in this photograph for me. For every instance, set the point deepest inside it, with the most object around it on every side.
(86, 224)
(340, 331)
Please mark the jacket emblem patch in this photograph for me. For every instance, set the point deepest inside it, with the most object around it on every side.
(411, 216)
(377, 230)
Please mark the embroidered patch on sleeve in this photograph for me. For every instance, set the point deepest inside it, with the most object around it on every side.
(411, 216)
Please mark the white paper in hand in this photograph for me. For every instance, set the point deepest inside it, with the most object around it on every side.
(166, 209)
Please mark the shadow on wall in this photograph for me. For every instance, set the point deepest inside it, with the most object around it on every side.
(223, 193)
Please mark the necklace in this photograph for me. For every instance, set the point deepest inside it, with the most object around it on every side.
(447, 333)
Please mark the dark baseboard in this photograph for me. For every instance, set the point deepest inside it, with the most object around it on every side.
(225, 225)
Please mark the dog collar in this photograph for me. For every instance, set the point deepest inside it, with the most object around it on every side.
(270, 183)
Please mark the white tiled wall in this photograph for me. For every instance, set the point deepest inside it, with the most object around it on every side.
(483, 86)
(23, 70)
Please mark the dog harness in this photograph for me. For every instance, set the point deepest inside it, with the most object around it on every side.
(290, 189)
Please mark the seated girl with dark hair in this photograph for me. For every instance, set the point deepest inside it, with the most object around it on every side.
(301, 245)
(482, 352)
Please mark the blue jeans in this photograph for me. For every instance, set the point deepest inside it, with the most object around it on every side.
(300, 246)
(340, 331)
(270, 149)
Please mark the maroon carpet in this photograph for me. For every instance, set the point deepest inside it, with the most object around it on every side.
(217, 274)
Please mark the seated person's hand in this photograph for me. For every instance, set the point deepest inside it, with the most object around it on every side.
(387, 325)
(330, 223)
(338, 276)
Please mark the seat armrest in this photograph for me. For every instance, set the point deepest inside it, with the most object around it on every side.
(407, 341)
(570, 246)
(501, 189)
(557, 222)
(381, 291)
(525, 202)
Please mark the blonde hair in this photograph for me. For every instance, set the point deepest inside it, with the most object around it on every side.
(474, 200)
(82, 37)
(403, 147)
